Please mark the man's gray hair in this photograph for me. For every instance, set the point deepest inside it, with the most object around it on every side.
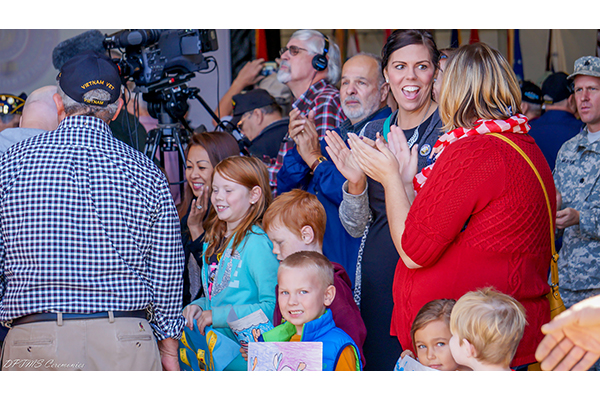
(72, 107)
(315, 43)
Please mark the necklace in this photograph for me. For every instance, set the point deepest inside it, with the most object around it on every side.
(413, 139)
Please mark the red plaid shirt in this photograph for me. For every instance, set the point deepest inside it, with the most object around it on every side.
(324, 98)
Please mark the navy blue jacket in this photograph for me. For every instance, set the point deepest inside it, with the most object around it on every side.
(551, 130)
(326, 183)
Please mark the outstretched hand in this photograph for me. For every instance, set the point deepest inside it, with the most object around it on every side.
(168, 354)
(572, 340)
(250, 73)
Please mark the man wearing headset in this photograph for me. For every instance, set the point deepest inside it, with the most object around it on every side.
(311, 67)
(363, 94)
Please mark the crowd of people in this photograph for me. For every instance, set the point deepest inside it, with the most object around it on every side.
(400, 210)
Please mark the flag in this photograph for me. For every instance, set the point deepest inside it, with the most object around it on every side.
(455, 38)
(340, 36)
(261, 44)
(353, 47)
(515, 57)
(555, 57)
(386, 34)
(474, 38)
(267, 43)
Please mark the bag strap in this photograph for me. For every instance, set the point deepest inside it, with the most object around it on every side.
(386, 126)
(554, 262)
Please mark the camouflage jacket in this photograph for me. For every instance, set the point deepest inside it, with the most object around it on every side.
(576, 177)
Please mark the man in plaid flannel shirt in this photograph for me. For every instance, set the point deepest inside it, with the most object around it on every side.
(313, 87)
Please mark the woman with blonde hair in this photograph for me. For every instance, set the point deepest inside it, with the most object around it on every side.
(479, 215)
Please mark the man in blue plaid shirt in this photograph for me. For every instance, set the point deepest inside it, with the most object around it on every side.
(89, 240)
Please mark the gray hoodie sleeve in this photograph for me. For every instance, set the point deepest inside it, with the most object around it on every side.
(354, 212)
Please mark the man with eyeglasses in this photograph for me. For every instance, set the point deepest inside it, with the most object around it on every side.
(363, 96)
(310, 65)
(259, 118)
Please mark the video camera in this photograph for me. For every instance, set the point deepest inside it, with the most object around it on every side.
(160, 62)
(151, 54)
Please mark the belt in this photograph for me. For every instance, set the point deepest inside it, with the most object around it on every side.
(41, 317)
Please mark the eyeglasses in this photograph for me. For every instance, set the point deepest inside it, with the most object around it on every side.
(294, 50)
(245, 116)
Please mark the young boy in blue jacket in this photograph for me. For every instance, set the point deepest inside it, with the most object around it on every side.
(306, 289)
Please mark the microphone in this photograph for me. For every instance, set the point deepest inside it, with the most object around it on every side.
(65, 50)
(138, 37)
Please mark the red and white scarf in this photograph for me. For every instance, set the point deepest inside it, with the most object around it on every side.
(515, 124)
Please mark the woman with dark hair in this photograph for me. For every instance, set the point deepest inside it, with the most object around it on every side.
(479, 215)
(204, 151)
(409, 64)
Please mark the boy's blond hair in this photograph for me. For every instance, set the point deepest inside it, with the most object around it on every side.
(492, 322)
(311, 260)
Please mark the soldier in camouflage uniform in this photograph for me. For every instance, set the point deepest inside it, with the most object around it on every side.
(576, 177)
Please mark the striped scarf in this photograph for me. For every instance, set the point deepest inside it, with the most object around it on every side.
(515, 124)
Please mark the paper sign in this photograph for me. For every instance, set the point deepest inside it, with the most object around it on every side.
(408, 363)
(285, 356)
(249, 328)
(210, 352)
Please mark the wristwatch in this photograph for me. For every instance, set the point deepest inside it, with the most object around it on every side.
(317, 162)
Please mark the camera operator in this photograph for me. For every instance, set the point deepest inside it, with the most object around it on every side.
(91, 238)
(259, 118)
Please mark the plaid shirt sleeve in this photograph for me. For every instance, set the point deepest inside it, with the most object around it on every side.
(277, 163)
(2, 251)
(328, 111)
(325, 100)
(165, 260)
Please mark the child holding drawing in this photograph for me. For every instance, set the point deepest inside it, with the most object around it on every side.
(431, 335)
(305, 291)
(239, 270)
(295, 221)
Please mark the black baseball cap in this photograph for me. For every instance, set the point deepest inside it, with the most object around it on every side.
(556, 88)
(251, 100)
(90, 70)
(531, 93)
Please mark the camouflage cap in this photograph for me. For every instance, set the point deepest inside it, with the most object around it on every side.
(587, 65)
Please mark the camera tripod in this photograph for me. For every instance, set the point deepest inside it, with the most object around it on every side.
(167, 102)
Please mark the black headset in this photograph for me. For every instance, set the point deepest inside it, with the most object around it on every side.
(319, 62)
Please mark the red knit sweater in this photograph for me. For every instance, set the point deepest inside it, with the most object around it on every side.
(484, 183)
